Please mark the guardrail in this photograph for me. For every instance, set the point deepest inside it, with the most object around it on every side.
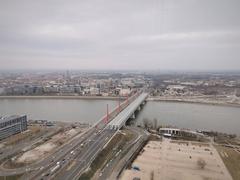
(110, 116)
(137, 147)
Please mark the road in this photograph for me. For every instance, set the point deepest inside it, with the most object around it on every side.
(84, 159)
(123, 116)
(36, 169)
(10, 151)
(49, 162)
(78, 153)
(121, 158)
(72, 162)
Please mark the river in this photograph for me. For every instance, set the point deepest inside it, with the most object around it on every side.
(67, 110)
(193, 116)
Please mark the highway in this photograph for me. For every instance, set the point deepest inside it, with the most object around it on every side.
(88, 154)
(95, 144)
(8, 152)
(121, 158)
(23, 146)
(62, 153)
(71, 159)
(123, 116)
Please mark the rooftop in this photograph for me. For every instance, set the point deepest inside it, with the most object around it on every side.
(5, 119)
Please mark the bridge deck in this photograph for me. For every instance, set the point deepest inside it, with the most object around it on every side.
(123, 116)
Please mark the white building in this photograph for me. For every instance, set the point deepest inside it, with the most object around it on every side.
(175, 132)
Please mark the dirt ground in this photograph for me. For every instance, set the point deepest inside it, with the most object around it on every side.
(18, 138)
(44, 149)
(36, 153)
(168, 160)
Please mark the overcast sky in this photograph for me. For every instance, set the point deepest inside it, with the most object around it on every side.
(120, 34)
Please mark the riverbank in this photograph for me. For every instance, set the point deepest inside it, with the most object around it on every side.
(196, 100)
(64, 97)
(192, 100)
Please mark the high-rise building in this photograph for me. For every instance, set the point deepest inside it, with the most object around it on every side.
(12, 125)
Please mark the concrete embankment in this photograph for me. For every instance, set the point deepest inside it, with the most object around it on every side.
(195, 101)
(64, 97)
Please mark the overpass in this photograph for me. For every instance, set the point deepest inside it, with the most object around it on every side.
(93, 140)
(128, 112)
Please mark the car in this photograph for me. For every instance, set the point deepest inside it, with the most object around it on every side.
(136, 168)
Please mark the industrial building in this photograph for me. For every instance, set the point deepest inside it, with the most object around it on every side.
(175, 132)
(12, 125)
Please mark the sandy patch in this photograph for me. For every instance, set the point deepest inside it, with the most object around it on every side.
(36, 153)
(46, 148)
(64, 135)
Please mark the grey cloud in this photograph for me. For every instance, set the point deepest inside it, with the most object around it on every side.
(121, 34)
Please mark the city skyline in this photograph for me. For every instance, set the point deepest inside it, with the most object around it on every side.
(120, 35)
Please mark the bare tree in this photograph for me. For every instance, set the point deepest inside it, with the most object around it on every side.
(155, 122)
(145, 123)
(152, 175)
(150, 124)
(201, 163)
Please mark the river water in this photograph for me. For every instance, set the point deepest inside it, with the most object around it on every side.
(68, 110)
(193, 116)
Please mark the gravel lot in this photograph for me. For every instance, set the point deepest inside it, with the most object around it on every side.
(177, 160)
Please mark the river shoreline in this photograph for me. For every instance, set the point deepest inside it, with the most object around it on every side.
(161, 99)
(64, 97)
(195, 101)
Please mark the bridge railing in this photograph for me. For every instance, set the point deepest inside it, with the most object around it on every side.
(122, 106)
(112, 114)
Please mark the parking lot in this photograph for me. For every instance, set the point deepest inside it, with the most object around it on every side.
(181, 160)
